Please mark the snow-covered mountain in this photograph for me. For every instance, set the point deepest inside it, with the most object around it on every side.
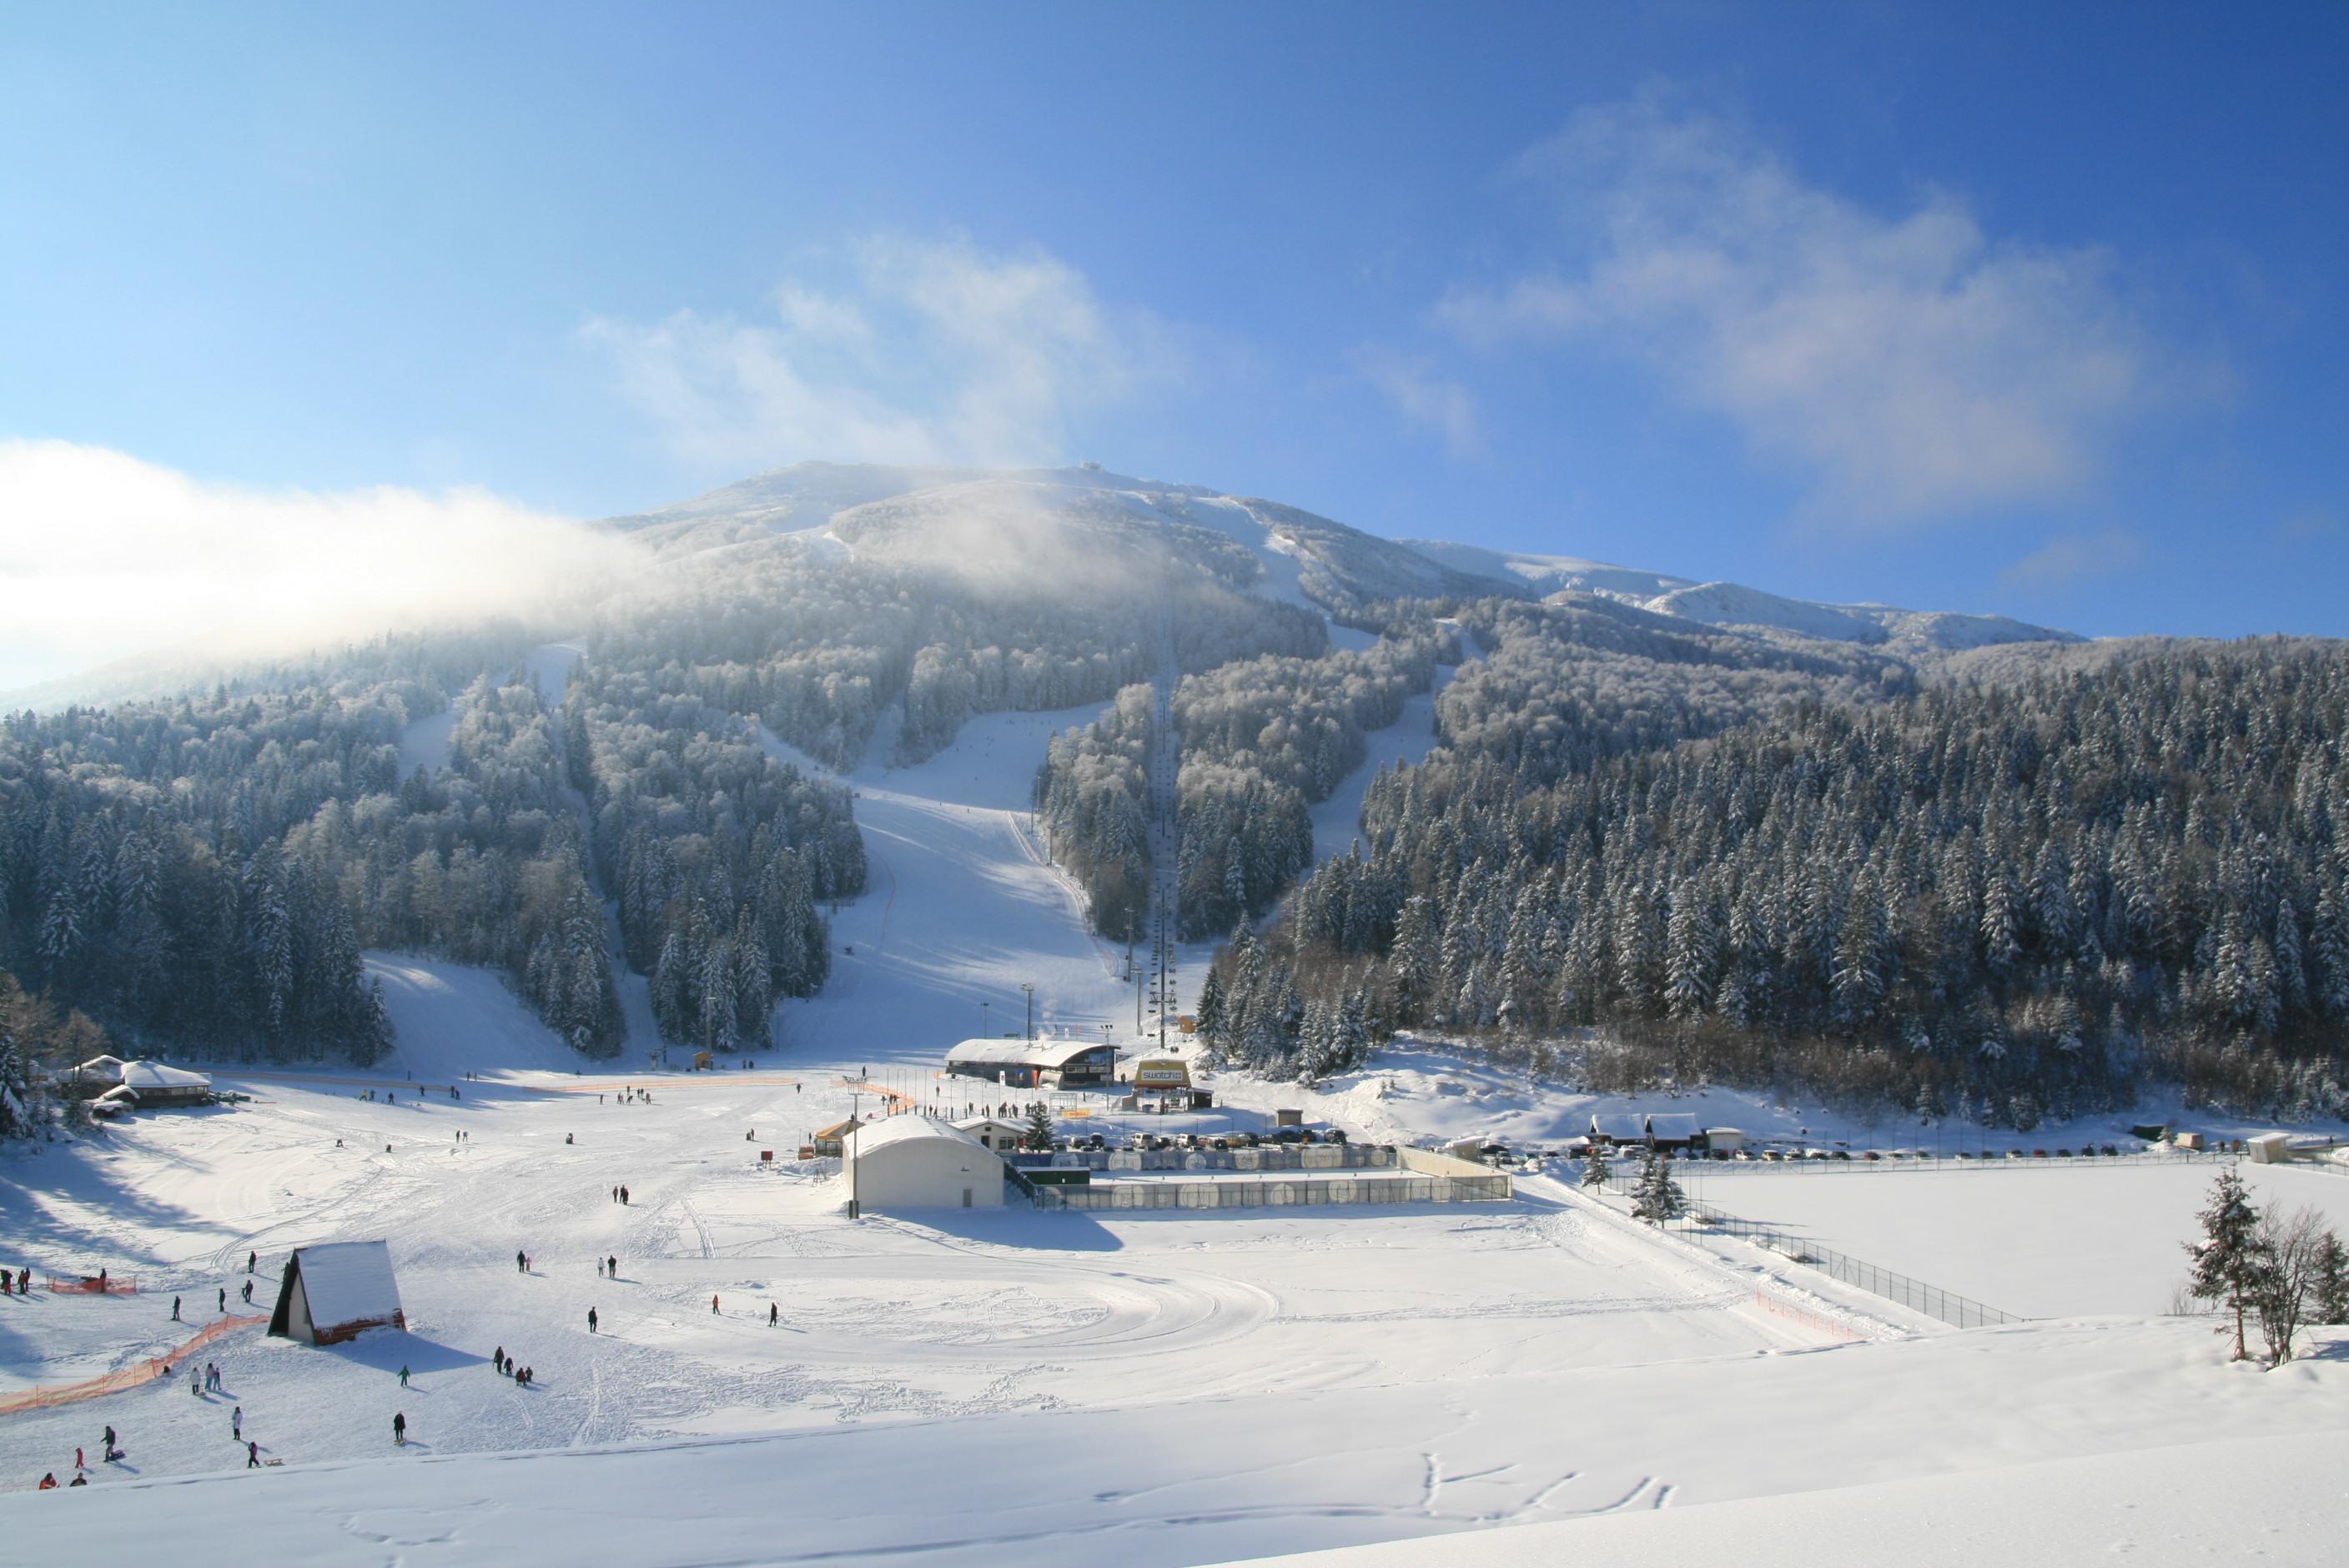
(1006, 518)
(1734, 606)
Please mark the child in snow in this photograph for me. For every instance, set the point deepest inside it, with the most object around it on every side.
(403, 1377)
(252, 1454)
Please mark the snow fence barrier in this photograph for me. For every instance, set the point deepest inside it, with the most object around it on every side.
(137, 1375)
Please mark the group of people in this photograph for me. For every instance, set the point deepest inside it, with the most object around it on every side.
(507, 1368)
(619, 1194)
(17, 1284)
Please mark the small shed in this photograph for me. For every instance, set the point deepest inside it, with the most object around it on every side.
(913, 1163)
(337, 1291)
(994, 1134)
(827, 1140)
(2268, 1148)
(1724, 1139)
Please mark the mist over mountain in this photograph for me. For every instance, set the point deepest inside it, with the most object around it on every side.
(1647, 829)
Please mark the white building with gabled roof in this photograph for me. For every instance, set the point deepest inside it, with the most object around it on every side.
(336, 1291)
(911, 1161)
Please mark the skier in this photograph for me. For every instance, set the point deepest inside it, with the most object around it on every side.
(399, 1427)
(252, 1454)
(591, 1320)
(403, 1377)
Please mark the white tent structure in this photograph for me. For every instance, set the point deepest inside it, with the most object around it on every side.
(910, 1161)
(337, 1291)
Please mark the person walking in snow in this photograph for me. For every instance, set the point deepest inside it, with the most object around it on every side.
(236, 1423)
(611, 1268)
(79, 1466)
(591, 1320)
(175, 1309)
(195, 1381)
(223, 1307)
(498, 1359)
(250, 1259)
(252, 1454)
(400, 1429)
(248, 1293)
(774, 1315)
(108, 1451)
(522, 1262)
(623, 1194)
(403, 1377)
(713, 1305)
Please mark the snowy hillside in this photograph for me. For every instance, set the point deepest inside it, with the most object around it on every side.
(1909, 633)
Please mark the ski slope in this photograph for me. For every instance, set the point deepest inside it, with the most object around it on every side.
(961, 907)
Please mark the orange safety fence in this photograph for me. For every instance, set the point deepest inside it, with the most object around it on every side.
(137, 1375)
(1816, 1322)
(92, 1285)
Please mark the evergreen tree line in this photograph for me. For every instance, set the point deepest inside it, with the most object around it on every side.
(1993, 903)
(718, 858)
(1254, 1014)
(1261, 740)
(822, 649)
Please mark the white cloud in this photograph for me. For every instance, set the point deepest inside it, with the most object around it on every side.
(1912, 363)
(106, 556)
(903, 351)
(1424, 397)
(2071, 559)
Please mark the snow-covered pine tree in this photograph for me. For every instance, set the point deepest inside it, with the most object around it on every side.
(1037, 1135)
(1658, 1198)
(2231, 1266)
(1595, 1167)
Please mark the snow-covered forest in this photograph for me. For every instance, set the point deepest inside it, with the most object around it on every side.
(1995, 902)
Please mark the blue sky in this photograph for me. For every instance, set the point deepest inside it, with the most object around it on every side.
(2034, 309)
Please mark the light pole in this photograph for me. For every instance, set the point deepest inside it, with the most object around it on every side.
(983, 1030)
(855, 1127)
(1029, 991)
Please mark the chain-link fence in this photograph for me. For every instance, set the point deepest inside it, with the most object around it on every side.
(1944, 1305)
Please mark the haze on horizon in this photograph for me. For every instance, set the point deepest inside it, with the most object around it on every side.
(333, 330)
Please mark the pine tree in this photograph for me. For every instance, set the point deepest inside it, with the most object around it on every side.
(2231, 1264)
(2328, 1281)
(1037, 1135)
(1595, 1167)
(1658, 1198)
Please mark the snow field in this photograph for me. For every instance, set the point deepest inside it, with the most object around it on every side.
(2048, 1239)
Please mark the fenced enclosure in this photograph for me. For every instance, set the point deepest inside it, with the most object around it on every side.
(1267, 1193)
(138, 1375)
(1942, 1306)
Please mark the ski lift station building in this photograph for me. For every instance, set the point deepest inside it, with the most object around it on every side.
(1035, 1064)
(337, 1291)
(910, 1161)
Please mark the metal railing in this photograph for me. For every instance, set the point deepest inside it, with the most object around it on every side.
(1943, 1306)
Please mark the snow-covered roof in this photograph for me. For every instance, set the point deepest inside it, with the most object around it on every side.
(347, 1282)
(904, 1129)
(120, 1094)
(1619, 1125)
(985, 1123)
(1020, 1053)
(101, 1067)
(1672, 1124)
(155, 1075)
